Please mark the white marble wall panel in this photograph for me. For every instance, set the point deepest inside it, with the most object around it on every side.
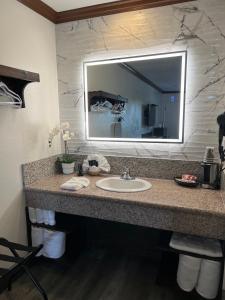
(195, 26)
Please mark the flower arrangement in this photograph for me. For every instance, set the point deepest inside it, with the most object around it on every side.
(67, 135)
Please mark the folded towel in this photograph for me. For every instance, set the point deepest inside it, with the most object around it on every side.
(40, 215)
(71, 186)
(196, 245)
(102, 162)
(51, 217)
(75, 184)
(45, 215)
(84, 181)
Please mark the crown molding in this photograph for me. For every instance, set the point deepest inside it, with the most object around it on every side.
(95, 10)
(41, 8)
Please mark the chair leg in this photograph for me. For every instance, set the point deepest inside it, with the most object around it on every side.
(36, 283)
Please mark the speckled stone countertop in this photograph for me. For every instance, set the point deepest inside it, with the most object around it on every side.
(165, 206)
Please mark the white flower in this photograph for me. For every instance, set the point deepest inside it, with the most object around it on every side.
(66, 137)
(65, 125)
(64, 130)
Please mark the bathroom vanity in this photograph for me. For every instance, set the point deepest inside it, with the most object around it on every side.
(165, 206)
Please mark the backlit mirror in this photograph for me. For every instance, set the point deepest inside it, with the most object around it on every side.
(137, 99)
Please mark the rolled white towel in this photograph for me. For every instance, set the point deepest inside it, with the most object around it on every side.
(54, 244)
(40, 215)
(37, 236)
(188, 272)
(51, 217)
(46, 218)
(209, 278)
(32, 214)
(75, 184)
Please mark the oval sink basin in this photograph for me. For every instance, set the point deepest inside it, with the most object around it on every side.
(116, 184)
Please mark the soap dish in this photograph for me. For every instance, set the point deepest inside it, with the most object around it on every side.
(94, 171)
(186, 183)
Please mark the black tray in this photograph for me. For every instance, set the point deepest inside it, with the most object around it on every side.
(179, 181)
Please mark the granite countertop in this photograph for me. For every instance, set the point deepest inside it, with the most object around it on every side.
(163, 194)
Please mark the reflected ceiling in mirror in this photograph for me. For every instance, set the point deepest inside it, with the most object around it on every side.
(137, 99)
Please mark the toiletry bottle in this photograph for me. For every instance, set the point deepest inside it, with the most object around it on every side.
(80, 170)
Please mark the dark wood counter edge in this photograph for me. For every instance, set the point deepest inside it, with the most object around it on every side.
(129, 202)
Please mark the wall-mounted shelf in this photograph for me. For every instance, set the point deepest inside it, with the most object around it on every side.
(96, 96)
(17, 80)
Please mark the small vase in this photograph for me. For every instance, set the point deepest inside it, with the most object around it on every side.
(68, 168)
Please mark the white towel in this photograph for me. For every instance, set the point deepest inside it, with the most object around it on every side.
(51, 217)
(32, 214)
(40, 215)
(102, 162)
(75, 184)
(45, 215)
(37, 236)
(209, 278)
(54, 244)
(188, 272)
(196, 245)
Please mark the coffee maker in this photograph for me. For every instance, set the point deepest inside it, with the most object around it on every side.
(221, 123)
(210, 170)
(211, 175)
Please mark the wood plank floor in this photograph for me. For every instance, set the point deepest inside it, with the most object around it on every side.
(96, 275)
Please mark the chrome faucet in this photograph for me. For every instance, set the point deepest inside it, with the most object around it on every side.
(126, 175)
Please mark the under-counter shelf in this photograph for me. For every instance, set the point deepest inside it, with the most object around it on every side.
(58, 227)
(50, 227)
(163, 246)
(16, 80)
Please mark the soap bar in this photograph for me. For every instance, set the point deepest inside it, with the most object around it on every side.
(189, 177)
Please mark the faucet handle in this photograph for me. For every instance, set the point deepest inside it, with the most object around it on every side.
(126, 174)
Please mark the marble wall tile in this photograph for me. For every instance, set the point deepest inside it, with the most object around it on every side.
(198, 27)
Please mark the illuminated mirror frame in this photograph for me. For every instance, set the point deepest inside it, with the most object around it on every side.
(182, 54)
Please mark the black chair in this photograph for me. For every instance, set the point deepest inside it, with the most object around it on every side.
(19, 263)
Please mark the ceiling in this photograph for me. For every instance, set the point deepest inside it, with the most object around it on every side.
(164, 73)
(63, 5)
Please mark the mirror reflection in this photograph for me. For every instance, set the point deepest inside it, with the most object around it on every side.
(136, 99)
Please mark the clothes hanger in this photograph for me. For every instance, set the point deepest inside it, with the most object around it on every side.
(9, 92)
(5, 91)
